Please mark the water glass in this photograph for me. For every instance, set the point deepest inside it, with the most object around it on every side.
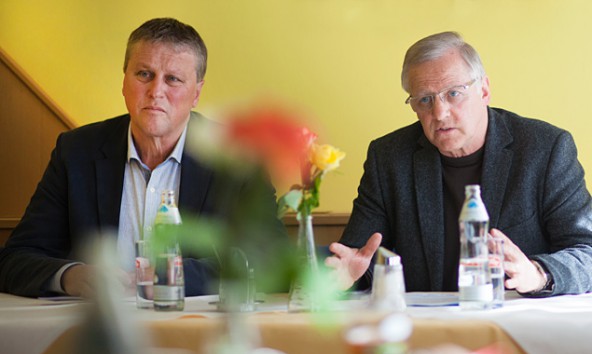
(144, 276)
(238, 295)
(496, 269)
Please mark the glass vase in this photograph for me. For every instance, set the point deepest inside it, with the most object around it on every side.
(302, 293)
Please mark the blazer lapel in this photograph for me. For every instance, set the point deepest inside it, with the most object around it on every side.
(195, 182)
(428, 191)
(110, 170)
(496, 166)
(195, 178)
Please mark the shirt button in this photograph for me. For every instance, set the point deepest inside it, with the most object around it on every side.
(152, 189)
(148, 228)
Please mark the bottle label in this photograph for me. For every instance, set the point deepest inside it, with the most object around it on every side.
(475, 210)
(495, 261)
(142, 262)
(169, 270)
(167, 215)
(168, 293)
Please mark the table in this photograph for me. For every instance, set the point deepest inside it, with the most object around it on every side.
(552, 325)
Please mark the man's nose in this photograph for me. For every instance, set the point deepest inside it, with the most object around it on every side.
(156, 88)
(441, 107)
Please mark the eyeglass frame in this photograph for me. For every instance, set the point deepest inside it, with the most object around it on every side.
(433, 95)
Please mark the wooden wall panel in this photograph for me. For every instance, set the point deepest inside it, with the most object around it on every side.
(29, 125)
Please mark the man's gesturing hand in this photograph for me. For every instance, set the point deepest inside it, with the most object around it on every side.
(522, 274)
(349, 264)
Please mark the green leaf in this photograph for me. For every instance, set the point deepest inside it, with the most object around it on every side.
(314, 199)
(289, 201)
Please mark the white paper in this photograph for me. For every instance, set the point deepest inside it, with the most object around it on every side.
(431, 299)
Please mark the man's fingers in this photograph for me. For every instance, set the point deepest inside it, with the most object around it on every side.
(367, 251)
(495, 233)
(511, 251)
(339, 250)
(510, 283)
(351, 263)
(332, 262)
(510, 268)
(371, 246)
(498, 234)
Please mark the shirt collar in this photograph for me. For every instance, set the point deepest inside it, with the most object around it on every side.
(176, 154)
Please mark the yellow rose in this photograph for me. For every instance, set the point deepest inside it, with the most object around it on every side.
(326, 157)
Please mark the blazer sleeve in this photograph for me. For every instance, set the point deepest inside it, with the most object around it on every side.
(567, 218)
(40, 244)
(369, 213)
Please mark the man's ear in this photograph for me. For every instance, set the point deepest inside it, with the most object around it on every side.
(198, 92)
(485, 91)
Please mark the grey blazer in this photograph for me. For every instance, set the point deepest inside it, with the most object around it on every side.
(532, 185)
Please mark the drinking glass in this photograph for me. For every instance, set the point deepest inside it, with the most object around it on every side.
(496, 269)
(144, 275)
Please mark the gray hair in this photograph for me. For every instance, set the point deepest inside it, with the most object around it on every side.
(434, 47)
(170, 31)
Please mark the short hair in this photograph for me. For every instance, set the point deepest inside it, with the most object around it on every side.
(434, 47)
(171, 31)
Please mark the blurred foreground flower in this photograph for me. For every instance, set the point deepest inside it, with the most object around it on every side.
(274, 139)
(260, 136)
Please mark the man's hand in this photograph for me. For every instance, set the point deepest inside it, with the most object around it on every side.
(81, 280)
(523, 275)
(350, 264)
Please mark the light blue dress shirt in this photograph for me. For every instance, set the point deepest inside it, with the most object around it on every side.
(141, 197)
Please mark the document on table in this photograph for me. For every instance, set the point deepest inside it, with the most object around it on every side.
(61, 298)
(431, 299)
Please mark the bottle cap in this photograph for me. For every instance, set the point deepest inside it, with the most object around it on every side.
(387, 257)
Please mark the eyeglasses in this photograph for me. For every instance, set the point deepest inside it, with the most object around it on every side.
(453, 95)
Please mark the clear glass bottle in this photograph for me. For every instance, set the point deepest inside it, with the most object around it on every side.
(169, 282)
(474, 281)
(302, 296)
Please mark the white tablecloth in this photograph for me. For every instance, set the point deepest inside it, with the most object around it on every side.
(551, 325)
(561, 324)
(31, 325)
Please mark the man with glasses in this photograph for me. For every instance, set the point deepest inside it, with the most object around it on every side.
(412, 190)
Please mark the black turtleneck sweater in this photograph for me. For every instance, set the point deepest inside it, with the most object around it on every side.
(456, 174)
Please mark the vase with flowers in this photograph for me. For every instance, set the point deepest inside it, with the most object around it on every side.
(302, 198)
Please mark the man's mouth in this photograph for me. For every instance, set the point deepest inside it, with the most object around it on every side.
(443, 130)
(154, 108)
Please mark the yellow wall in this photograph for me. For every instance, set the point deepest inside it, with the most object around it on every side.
(338, 58)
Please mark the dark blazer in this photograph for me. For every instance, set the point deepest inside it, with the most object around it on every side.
(80, 195)
(532, 185)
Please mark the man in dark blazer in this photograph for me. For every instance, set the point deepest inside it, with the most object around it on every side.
(412, 190)
(90, 173)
